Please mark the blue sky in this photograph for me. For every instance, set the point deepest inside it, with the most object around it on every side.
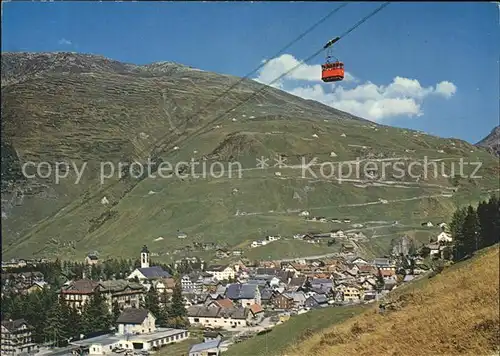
(432, 43)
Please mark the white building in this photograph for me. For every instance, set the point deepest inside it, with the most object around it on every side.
(226, 318)
(136, 331)
(444, 237)
(221, 272)
(338, 234)
(136, 321)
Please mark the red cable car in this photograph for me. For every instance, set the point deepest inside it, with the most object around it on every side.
(332, 72)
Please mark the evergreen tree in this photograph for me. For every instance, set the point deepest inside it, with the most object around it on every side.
(55, 329)
(494, 208)
(471, 231)
(488, 214)
(96, 315)
(177, 311)
(115, 311)
(456, 230)
(152, 303)
(380, 281)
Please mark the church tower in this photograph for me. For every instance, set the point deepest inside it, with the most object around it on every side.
(144, 257)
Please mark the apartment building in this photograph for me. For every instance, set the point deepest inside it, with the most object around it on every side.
(17, 338)
(126, 294)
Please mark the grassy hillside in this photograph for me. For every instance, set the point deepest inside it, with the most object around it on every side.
(454, 313)
(88, 109)
(298, 328)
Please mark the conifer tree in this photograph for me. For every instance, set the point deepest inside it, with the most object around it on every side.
(471, 232)
(456, 229)
(177, 311)
(96, 315)
(115, 311)
(55, 325)
(152, 303)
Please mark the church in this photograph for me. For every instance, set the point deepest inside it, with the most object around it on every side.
(147, 273)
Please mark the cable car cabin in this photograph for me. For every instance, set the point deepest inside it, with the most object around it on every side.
(332, 72)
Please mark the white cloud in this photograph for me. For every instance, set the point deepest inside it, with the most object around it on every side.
(64, 42)
(402, 97)
(446, 89)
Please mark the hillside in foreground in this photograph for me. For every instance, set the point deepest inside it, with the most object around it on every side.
(86, 109)
(453, 313)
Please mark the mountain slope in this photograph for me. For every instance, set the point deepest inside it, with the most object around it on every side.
(92, 113)
(454, 313)
(492, 141)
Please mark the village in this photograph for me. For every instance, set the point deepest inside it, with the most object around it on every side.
(227, 303)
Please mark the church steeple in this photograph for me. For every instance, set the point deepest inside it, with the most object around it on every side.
(144, 257)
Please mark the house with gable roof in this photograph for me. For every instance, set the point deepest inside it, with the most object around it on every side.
(245, 294)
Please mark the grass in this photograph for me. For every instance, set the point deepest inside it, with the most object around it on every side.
(295, 329)
(180, 348)
(455, 312)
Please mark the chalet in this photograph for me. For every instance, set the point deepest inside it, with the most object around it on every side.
(37, 286)
(192, 283)
(316, 301)
(136, 321)
(91, 259)
(164, 285)
(299, 298)
(444, 237)
(17, 338)
(218, 317)
(282, 301)
(350, 293)
(221, 272)
(222, 253)
(245, 294)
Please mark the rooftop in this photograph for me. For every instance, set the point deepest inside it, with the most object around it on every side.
(110, 339)
(216, 268)
(12, 325)
(154, 272)
(204, 346)
(132, 316)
